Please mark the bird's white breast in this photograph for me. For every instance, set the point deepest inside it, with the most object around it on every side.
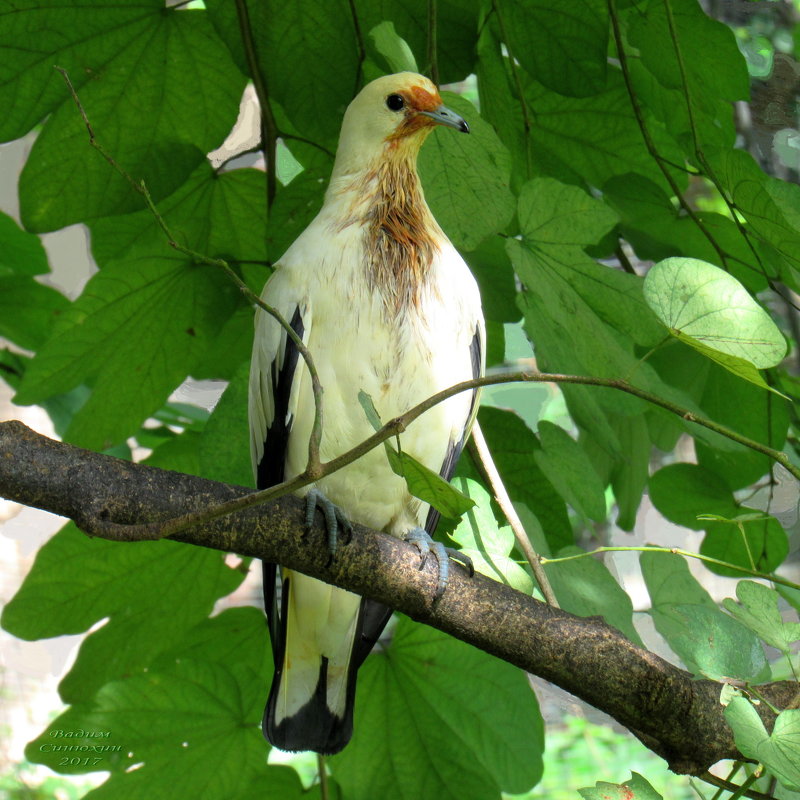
(397, 360)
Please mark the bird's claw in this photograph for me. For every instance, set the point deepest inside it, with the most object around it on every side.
(335, 518)
(422, 540)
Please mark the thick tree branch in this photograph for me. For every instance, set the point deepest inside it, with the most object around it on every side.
(677, 717)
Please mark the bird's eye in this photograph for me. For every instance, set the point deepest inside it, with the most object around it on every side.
(394, 102)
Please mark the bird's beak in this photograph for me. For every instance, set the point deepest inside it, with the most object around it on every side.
(444, 116)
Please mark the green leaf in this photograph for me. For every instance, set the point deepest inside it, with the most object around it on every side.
(770, 209)
(513, 446)
(308, 54)
(428, 485)
(711, 643)
(720, 73)
(759, 611)
(422, 482)
(596, 137)
(756, 543)
(411, 701)
(637, 788)
(777, 751)
(466, 178)
(585, 587)
(708, 308)
(194, 724)
(565, 462)
(752, 412)
(151, 318)
(216, 214)
(28, 309)
(123, 59)
(681, 492)
(551, 212)
(488, 544)
(77, 581)
(224, 447)
(393, 48)
(563, 46)
(670, 583)
(21, 253)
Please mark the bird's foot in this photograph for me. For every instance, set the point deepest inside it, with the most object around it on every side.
(422, 540)
(336, 521)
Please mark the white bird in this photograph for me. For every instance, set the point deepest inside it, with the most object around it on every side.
(387, 306)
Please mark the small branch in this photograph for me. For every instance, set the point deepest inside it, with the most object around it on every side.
(737, 791)
(269, 128)
(362, 51)
(483, 458)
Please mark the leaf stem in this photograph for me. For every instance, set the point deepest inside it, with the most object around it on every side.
(674, 551)
(432, 54)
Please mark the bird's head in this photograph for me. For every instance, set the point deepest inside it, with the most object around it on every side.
(390, 115)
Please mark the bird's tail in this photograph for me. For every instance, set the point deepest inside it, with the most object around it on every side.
(318, 644)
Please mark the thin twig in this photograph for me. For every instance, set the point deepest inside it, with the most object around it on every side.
(362, 51)
(399, 424)
(483, 457)
(323, 777)
(269, 128)
(316, 387)
(432, 56)
(754, 573)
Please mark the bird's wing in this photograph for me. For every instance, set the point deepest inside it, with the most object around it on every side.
(477, 351)
(274, 390)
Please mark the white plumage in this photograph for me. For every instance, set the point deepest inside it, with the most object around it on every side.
(387, 306)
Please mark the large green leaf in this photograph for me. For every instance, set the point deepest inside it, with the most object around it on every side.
(192, 724)
(466, 178)
(218, 215)
(77, 581)
(563, 46)
(708, 308)
(566, 464)
(711, 643)
(776, 751)
(150, 319)
(682, 492)
(411, 702)
(585, 587)
(721, 74)
(135, 66)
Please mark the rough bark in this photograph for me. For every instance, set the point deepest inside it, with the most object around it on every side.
(674, 715)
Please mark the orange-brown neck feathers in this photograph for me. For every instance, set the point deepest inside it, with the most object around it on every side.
(400, 232)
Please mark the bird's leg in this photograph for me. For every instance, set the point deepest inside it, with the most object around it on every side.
(335, 518)
(422, 540)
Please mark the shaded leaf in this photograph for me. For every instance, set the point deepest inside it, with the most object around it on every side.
(411, 701)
